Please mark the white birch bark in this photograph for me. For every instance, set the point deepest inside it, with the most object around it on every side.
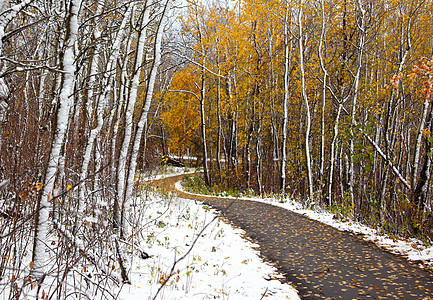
(3, 4)
(132, 98)
(418, 142)
(332, 154)
(120, 102)
(93, 132)
(325, 76)
(219, 121)
(259, 166)
(65, 102)
(102, 99)
(202, 109)
(286, 101)
(305, 101)
(143, 119)
(351, 170)
(203, 129)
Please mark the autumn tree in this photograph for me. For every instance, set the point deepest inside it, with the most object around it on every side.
(301, 98)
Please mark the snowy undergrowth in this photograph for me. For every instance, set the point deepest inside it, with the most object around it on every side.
(221, 265)
(413, 249)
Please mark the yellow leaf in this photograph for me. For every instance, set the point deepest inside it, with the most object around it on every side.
(69, 187)
(39, 185)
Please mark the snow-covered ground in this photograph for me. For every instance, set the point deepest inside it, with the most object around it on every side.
(221, 265)
(201, 257)
(179, 242)
(414, 250)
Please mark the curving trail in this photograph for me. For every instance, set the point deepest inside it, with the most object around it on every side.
(320, 261)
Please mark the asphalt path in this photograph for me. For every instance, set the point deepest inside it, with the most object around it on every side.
(319, 261)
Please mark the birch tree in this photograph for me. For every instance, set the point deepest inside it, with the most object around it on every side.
(145, 111)
(102, 99)
(362, 33)
(286, 97)
(357, 126)
(122, 171)
(65, 103)
(301, 4)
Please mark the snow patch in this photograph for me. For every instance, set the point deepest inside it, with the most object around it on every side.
(221, 265)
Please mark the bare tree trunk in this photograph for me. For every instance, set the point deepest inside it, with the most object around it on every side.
(203, 128)
(122, 170)
(419, 193)
(286, 101)
(361, 44)
(416, 155)
(39, 256)
(143, 119)
(219, 125)
(332, 155)
(107, 83)
(98, 117)
(305, 101)
(259, 167)
(325, 75)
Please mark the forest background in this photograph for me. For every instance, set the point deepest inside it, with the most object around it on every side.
(327, 102)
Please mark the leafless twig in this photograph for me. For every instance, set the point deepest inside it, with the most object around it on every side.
(189, 251)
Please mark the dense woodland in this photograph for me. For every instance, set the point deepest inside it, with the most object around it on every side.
(77, 79)
(326, 102)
